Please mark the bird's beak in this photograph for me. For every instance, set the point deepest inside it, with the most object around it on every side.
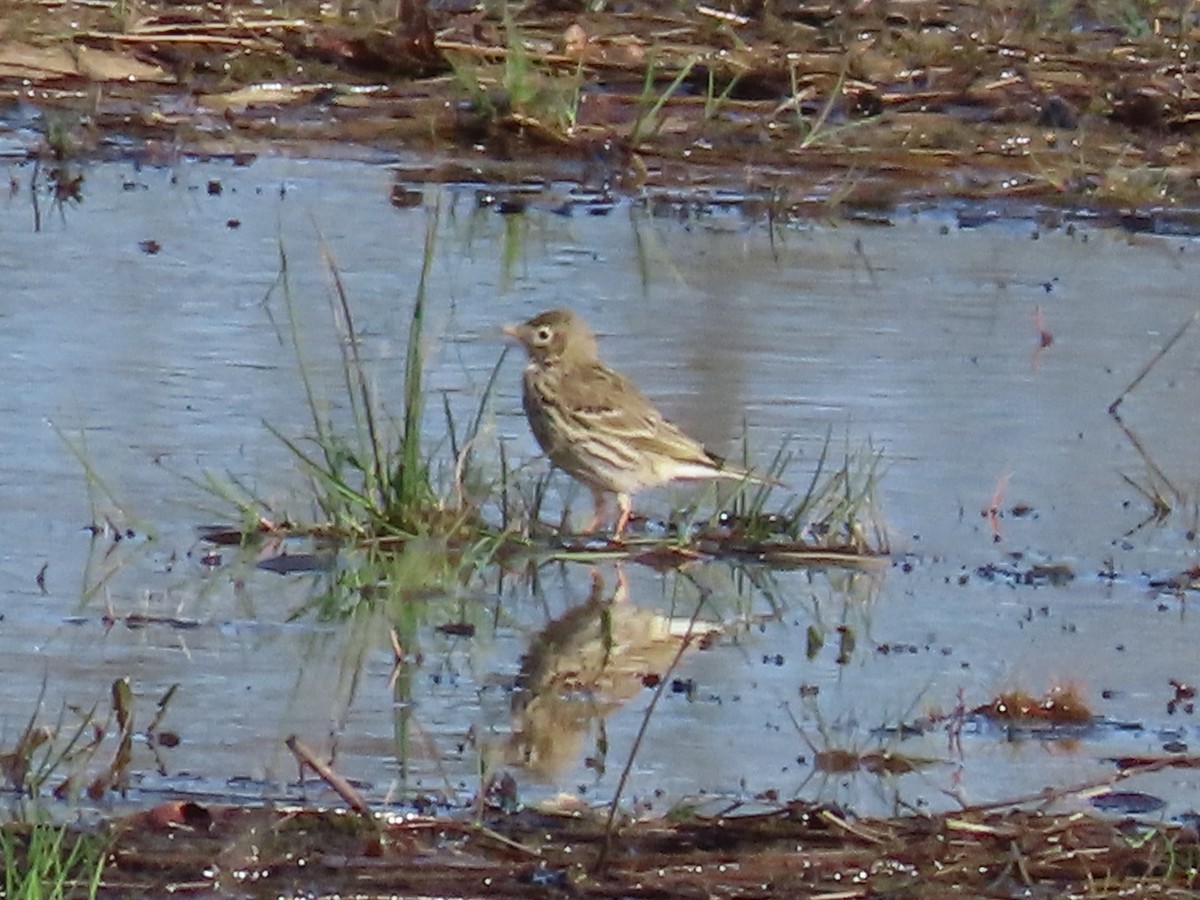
(512, 331)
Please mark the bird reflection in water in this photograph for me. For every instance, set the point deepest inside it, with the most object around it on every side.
(586, 664)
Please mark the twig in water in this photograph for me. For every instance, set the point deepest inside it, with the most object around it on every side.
(305, 756)
(606, 847)
(1166, 348)
(1154, 468)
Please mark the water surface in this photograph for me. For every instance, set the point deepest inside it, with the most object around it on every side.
(921, 338)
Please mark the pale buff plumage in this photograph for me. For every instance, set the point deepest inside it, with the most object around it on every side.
(596, 425)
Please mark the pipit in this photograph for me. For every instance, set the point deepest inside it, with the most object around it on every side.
(596, 425)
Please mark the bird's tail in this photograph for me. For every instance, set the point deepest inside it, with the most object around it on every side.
(725, 471)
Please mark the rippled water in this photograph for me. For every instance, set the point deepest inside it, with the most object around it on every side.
(921, 338)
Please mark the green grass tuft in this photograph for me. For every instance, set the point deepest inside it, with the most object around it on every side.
(374, 481)
(47, 862)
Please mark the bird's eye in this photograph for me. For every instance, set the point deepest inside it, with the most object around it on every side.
(543, 334)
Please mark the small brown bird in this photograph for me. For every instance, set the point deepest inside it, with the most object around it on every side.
(596, 425)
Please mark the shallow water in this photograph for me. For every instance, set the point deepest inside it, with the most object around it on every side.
(920, 338)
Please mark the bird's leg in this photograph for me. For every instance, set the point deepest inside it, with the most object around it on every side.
(621, 594)
(599, 504)
(625, 505)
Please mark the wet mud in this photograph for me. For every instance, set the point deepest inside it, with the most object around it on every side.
(806, 108)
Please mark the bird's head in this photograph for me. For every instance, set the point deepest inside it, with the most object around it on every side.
(555, 336)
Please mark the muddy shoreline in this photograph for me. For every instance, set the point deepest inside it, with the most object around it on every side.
(798, 850)
(806, 108)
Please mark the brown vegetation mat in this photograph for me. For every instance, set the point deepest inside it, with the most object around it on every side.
(806, 102)
(797, 851)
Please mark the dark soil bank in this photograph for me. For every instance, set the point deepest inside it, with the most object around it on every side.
(808, 106)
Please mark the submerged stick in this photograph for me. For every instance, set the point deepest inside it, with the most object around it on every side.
(344, 789)
(1047, 796)
(1154, 360)
(609, 826)
(1154, 468)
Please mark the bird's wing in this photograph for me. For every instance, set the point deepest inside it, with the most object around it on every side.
(606, 402)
